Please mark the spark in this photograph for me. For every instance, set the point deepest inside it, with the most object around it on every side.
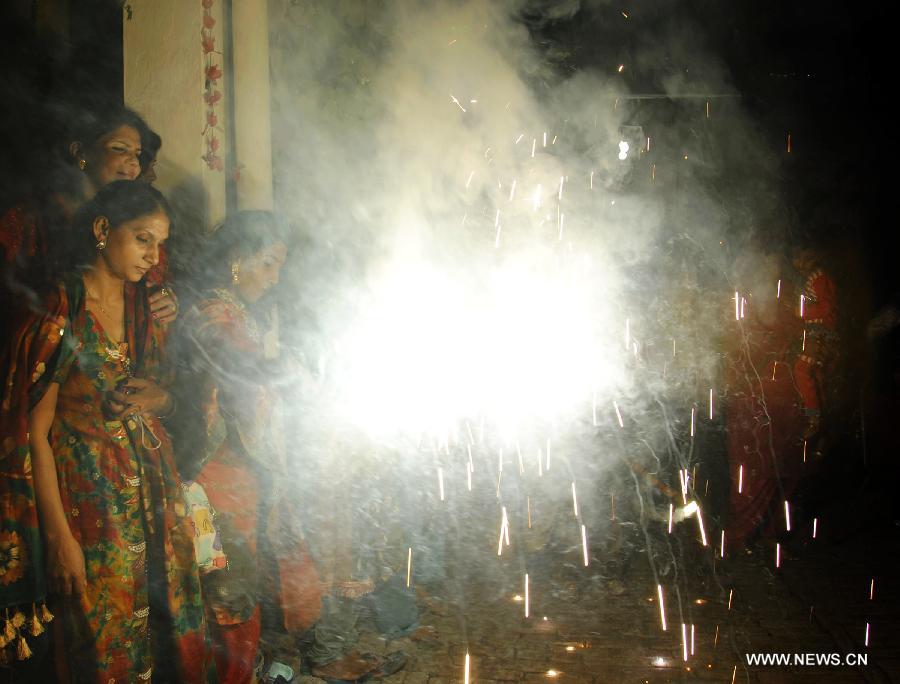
(737, 306)
(734, 674)
(743, 304)
(562, 221)
(872, 590)
(778, 292)
(624, 14)
(441, 482)
(533, 145)
(774, 369)
(456, 102)
(815, 527)
(512, 191)
(552, 673)
(730, 596)
(802, 304)
(711, 395)
(803, 345)
(612, 506)
(536, 200)
(574, 500)
(592, 180)
(466, 669)
(692, 638)
(618, 415)
(527, 597)
(778, 555)
(867, 636)
(741, 478)
(562, 180)
(789, 143)
(722, 545)
(584, 546)
(521, 462)
(707, 109)
(408, 566)
(671, 513)
(627, 333)
(648, 143)
(497, 236)
(787, 516)
(684, 646)
(804, 451)
(555, 138)
(621, 68)
(662, 607)
(451, 42)
(548, 455)
(693, 420)
(653, 172)
(504, 532)
(528, 506)
(519, 139)
(469, 476)
(716, 639)
(469, 179)
(702, 528)
(545, 138)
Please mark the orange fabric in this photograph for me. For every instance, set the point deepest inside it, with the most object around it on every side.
(235, 650)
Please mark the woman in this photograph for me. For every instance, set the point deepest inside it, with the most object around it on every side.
(225, 431)
(81, 416)
(100, 147)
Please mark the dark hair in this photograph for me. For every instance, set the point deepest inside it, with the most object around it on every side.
(241, 235)
(150, 146)
(120, 201)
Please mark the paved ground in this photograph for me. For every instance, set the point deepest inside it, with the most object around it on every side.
(588, 630)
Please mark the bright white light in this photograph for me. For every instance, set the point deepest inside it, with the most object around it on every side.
(623, 150)
(524, 340)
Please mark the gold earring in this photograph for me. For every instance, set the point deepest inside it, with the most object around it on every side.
(82, 164)
(101, 245)
(235, 273)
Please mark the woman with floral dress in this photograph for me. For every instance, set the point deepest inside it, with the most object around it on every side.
(86, 455)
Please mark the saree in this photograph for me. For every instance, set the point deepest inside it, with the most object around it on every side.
(142, 608)
(228, 443)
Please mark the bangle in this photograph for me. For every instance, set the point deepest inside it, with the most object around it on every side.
(171, 411)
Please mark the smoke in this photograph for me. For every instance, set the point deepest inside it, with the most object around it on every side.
(510, 256)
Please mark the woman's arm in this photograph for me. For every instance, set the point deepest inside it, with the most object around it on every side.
(65, 561)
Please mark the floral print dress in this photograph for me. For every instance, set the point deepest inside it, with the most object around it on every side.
(142, 610)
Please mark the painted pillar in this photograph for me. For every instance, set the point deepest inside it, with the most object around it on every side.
(173, 77)
(252, 117)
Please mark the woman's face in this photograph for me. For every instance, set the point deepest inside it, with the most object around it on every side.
(132, 248)
(259, 273)
(115, 156)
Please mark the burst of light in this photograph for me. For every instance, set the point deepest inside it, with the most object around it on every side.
(815, 527)
(466, 669)
(778, 292)
(737, 306)
(692, 638)
(778, 555)
(518, 598)
(787, 516)
(552, 673)
(866, 643)
(693, 420)
(456, 102)
(621, 68)
(659, 661)
(730, 596)
(872, 590)
(741, 478)
(408, 567)
(684, 644)
(702, 528)
(671, 514)
(711, 397)
(722, 545)
(623, 150)
(802, 305)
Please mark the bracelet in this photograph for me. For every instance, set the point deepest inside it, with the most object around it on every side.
(171, 411)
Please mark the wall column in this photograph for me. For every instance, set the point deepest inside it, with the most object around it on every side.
(252, 115)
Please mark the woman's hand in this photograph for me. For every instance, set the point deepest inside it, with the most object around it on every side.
(65, 566)
(143, 396)
(163, 305)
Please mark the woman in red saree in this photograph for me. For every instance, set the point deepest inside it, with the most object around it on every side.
(228, 442)
(85, 453)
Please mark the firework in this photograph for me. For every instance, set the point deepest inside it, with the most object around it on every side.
(778, 555)
(737, 306)
(466, 669)
(815, 527)
(408, 567)
(684, 644)
(693, 420)
(722, 545)
(778, 290)
(662, 607)
(584, 546)
(866, 643)
(702, 528)
(692, 638)
(730, 596)
(574, 500)
(872, 590)
(711, 397)
(741, 478)
(787, 516)
(671, 513)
